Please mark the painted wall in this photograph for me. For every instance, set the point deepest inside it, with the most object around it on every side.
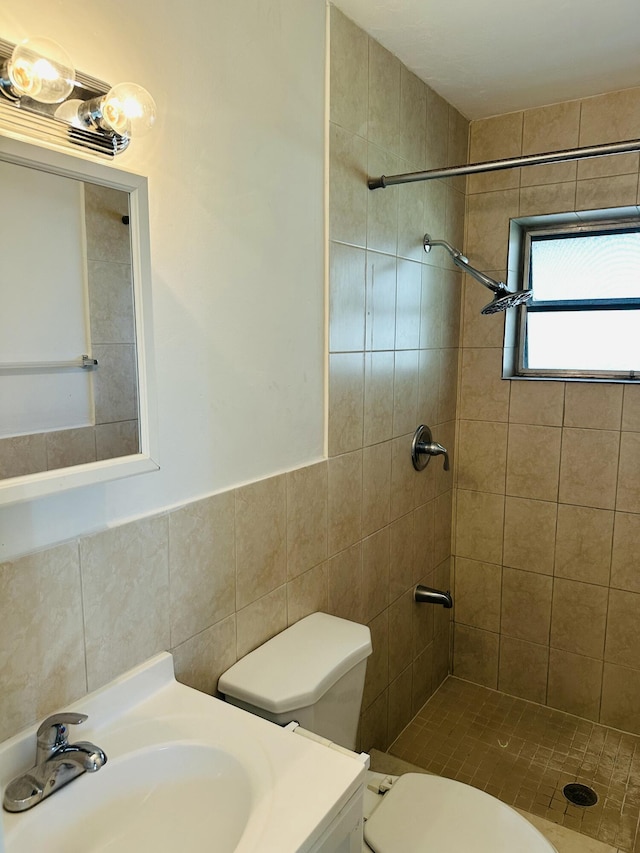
(236, 170)
(548, 501)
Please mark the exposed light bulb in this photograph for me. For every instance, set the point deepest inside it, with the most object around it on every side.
(41, 69)
(128, 110)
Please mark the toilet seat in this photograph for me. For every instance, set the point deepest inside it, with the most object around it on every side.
(430, 814)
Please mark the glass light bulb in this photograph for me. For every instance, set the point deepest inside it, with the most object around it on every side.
(128, 110)
(40, 69)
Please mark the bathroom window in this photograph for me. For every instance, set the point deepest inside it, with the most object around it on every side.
(583, 321)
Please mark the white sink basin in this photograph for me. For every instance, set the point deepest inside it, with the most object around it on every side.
(184, 772)
(155, 799)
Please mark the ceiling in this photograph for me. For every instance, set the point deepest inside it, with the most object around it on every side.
(488, 57)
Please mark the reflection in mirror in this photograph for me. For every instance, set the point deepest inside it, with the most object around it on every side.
(67, 289)
(77, 379)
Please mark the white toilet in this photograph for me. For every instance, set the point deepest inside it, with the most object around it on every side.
(313, 673)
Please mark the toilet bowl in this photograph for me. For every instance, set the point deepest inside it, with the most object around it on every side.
(313, 673)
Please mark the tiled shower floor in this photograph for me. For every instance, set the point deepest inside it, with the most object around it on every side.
(525, 754)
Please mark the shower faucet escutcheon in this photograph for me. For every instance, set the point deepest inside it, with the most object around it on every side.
(423, 447)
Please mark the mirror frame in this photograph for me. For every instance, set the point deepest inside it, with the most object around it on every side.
(31, 486)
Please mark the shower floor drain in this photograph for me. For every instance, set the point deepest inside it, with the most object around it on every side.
(580, 795)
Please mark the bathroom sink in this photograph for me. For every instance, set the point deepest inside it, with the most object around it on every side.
(156, 799)
(184, 772)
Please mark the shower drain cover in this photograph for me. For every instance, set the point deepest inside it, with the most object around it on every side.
(580, 795)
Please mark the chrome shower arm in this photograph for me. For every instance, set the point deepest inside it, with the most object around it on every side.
(455, 254)
(496, 286)
(462, 261)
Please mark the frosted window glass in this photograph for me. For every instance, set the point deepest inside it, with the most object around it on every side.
(584, 340)
(603, 266)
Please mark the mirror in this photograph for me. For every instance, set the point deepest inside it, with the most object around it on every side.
(76, 390)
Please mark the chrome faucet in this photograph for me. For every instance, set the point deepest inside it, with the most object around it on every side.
(57, 763)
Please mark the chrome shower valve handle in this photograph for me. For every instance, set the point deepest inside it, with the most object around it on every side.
(423, 447)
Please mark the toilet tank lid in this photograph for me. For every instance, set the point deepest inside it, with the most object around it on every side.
(295, 668)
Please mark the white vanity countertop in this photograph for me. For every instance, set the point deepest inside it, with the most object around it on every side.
(294, 786)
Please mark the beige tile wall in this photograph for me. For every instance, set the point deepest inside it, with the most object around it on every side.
(548, 501)
(350, 535)
(394, 328)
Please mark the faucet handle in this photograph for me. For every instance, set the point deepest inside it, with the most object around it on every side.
(53, 732)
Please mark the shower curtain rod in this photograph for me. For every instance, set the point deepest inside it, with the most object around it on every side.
(509, 163)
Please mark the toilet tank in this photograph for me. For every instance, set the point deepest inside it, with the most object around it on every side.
(313, 673)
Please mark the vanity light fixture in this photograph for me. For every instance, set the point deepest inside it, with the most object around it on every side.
(41, 94)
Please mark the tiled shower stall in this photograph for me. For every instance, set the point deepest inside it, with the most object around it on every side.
(543, 520)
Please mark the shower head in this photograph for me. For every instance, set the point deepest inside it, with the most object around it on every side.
(503, 299)
(510, 299)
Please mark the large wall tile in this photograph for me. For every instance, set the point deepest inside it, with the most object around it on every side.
(408, 298)
(261, 620)
(375, 573)
(384, 98)
(348, 191)
(307, 593)
(628, 494)
(346, 298)
(413, 118)
(376, 487)
(620, 698)
(550, 128)
(200, 661)
(307, 517)
(623, 628)
(475, 655)
(349, 73)
(400, 634)
(478, 593)
(610, 118)
(626, 547)
(488, 217)
(377, 675)
(345, 501)
(437, 141)
(261, 549)
(382, 204)
(42, 657)
(533, 461)
(202, 565)
(631, 408)
(481, 330)
(405, 392)
(592, 484)
(125, 592)
(540, 403)
(583, 544)
(479, 524)
(378, 397)
(484, 395)
(495, 138)
(346, 596)
(579, 618)
(529, 534)
(575, 684)
(523, 669)
(592, 406)
(526, 605)
(482, 456)
(346, 402)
